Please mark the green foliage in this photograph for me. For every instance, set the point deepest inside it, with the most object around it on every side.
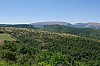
(85, 32)
(43, 48)
(43, 64)
(8, 55)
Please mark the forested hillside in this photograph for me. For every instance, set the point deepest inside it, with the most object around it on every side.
(43, 48)
(85, 32)
(18, 25)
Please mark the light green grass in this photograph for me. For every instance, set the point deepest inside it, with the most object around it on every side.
(6, 37)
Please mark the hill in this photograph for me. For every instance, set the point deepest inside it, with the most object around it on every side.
(49, 48)
(18, 25)
(85, 32)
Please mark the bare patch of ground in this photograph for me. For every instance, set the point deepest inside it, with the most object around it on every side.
(1, 42)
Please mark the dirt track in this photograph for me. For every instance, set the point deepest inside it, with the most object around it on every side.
(1, 42)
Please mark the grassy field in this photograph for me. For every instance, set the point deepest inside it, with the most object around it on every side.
(6, 37)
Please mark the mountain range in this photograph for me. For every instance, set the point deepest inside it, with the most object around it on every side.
(93, 25)
(40, 24)
(87, 25)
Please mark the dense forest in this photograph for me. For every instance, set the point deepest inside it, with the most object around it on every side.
(53, 45)
(85, 32)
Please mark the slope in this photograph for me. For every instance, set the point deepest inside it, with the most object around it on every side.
(6, 37)
(85, 32)
(73, 50)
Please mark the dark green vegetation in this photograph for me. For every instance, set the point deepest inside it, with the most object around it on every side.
(18, 26)
(85, 32)
(42, 48)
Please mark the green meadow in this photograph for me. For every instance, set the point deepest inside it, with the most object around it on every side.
(6, 37)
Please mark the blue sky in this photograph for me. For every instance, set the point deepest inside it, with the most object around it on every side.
(29, 11)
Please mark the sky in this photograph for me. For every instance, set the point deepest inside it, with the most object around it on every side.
(30, 11)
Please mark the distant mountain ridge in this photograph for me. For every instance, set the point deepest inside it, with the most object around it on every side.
(40, 24)
(93, 25)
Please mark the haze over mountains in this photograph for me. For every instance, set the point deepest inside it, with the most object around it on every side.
(94, 25)
(40, 24)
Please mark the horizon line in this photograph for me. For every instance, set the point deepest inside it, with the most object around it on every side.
(50, 21)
